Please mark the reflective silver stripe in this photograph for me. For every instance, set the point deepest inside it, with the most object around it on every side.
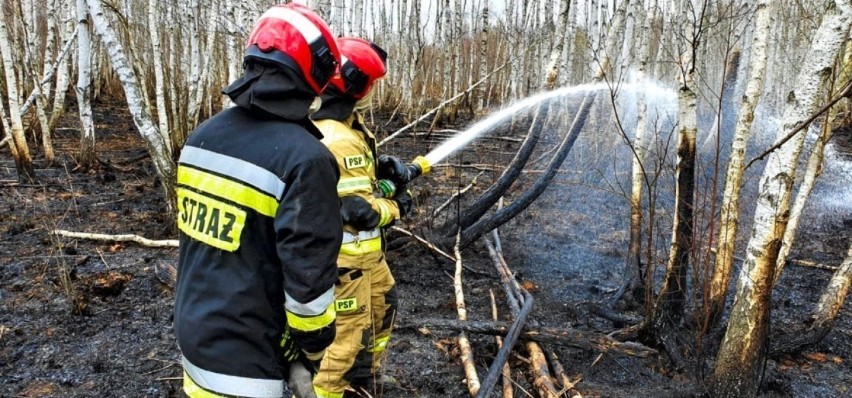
(308, 30)
(234, 385)
(362, 235)
(239, 169)
(316, 307)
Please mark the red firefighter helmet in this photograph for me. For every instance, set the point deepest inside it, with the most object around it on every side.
(293, 35)
(362, 63)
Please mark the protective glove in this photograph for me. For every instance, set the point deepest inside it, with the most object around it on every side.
(389, 167)
(358, 213)
(392, 168)
(307, 348)
(404, 201)
(300, 380)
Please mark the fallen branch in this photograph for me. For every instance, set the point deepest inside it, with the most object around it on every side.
(466, 351)
(813, 264)
(561, 375)
(458, 194)
(425, 242)
(538, 365)
(590, 341)
(117, 238)
(508, 390)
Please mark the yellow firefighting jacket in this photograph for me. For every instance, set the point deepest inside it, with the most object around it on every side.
(354, 148)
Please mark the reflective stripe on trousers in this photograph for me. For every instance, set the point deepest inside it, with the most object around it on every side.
(362, 243)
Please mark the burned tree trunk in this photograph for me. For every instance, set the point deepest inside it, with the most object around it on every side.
(739, 366)
(670, 308)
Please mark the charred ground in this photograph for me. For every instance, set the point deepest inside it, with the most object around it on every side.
(91, 319)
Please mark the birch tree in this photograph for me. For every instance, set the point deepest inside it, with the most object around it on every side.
(87, 158)
(739, 365)
(671, 301)
(20, 151)
(158, 145)
(63, 73)
(638, 175)
(159, 76)
(729, 218)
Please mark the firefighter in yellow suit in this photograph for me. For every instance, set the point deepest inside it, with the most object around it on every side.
(365, 294)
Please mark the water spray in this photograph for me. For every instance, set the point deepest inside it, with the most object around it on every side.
(422, 165)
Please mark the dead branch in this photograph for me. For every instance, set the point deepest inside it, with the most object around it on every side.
(456, 195)
(508, 390)
(37, 89)
(847, 89)
(813, 264)
(117, 238)
(538, 366)
(567, 337)
(466, 351)
(561, 376)
(506, 279)
(425, 243)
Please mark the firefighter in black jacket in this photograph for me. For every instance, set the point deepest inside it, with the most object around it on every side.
(259, 219)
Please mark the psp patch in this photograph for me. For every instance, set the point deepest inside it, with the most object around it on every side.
(344, 305)
(211, 221)
(355, 162)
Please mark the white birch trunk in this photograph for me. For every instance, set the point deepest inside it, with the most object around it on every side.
(729, 219)
(637, 175)
(739, 365)
(556, 54)
(158, 145)
(812, 172)
(832, 299)
(63, 74)
(49, 49)
(159, 78)
(23, 160)
(32, 69)
(194, 81)
(87, 156)
(233, 52)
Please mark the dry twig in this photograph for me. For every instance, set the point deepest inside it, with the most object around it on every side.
(117, 238)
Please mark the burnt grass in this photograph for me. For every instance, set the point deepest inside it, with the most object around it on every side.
(85, 318)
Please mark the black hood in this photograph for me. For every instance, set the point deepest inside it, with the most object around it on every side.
(335, 105)
(271, 89)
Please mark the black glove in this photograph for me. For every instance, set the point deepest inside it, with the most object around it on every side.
(389, 167)
(404, 201)
(307, 347)
(392, 168)
(314, 343)
(358, 213)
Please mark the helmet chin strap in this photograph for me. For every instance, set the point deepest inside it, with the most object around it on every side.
(364, 104)
(315, 106)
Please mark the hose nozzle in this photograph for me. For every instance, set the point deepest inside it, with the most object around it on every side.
(422, 164)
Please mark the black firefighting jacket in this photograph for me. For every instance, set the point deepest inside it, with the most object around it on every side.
(260, 234)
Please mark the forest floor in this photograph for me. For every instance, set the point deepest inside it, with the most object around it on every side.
(82, 318)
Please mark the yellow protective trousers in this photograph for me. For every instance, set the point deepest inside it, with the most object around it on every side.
(366, 303)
